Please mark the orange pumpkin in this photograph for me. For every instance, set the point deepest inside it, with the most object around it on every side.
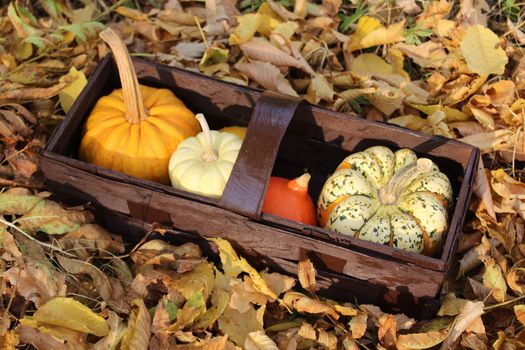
(289, 199)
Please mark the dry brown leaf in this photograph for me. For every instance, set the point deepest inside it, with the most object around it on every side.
(139, 328)
(40, 340)
(519, 311)
(307, 331)
(358, 325)
(433, 12)
(258, 340)
(31, 94)
(262, 50)
(117, 329)
(421, 340)
(428, 54)
(327, 340)
(473, 341)
(483, 191)
(518, 34)
(238, 325)
(409, 7)
(515, 278)
(110, 290)
(302, 303)
(277, 282)
(474, 12)
(387, 330)
(489, 141)
(472, 258)
(320, 90)
(267, 75)
(470, 312)
(37, 282)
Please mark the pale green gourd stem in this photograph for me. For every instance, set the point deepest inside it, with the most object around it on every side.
(389, 193)
(133, 103)
(209, 155)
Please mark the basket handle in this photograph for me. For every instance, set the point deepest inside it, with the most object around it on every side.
(246, 188)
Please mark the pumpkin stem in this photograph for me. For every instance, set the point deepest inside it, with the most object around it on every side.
(133, 103)
(300, 184)
(209, 155)
(389, 193)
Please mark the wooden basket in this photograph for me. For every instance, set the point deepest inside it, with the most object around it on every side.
(284, 137)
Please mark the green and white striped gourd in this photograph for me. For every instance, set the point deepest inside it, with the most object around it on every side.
(390, 198)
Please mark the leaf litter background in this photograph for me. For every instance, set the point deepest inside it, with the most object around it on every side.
(450, 68)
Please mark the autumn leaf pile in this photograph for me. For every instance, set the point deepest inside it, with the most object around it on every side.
(449, 68)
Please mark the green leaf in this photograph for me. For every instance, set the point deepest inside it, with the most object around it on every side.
(347, 21)
(52, 7)
(84, 31)
(36, 40)
(23, 29)
(481, 50)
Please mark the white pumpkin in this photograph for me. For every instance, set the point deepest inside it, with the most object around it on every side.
(203, 164)
(388, 198)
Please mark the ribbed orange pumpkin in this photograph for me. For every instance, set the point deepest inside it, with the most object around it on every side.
(289, 199)
(134, 130)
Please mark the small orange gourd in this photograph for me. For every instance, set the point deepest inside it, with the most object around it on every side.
(289, 199)
(134, 130)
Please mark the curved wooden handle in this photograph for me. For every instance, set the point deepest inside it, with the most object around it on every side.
(246, 187)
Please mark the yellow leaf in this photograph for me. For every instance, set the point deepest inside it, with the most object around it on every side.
(451, 114)
(320, 89)
(139, 328)
(69, 313)
(132, 13)
(69, 94)
(9, 340)
(451, 305)
(383, 36)
(358, 325)
(248, 25)
(238, 325)
(307, 331)
(421, 340)
(233, 265)
(519, 311)
(387, 330)
(370, 63)
(365, 25)
(258, 340)
(409, 121)
(302, 303)
(306, 273)
(480, 49)
(327, 340)
(268, 24)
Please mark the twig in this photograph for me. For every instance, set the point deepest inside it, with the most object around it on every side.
(495, 306)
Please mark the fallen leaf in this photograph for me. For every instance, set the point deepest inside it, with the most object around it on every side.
(17, 201)
(518, 34)
(69, 313)
(519, 311)
(117, 330)
(238, 325)
(248, 25)
(320, 89)
(421, 340)
(49, 217)
(267, 75)
(40, 340)
(111, 291)
(302, 303)
(470, 312)
(387, 330)
(482, 190)
(262, 50)
(365, 26)
(358, 325)
(258, 340)
(233, 265)
(93, 238)
(139, 328)
(493, 279)
(427, 54)
(384, 36)
(327, 340)
(480, 49)
(69, 94)
(307, 331)
(409, 7)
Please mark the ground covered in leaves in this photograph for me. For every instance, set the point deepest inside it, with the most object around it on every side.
(450, 68)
